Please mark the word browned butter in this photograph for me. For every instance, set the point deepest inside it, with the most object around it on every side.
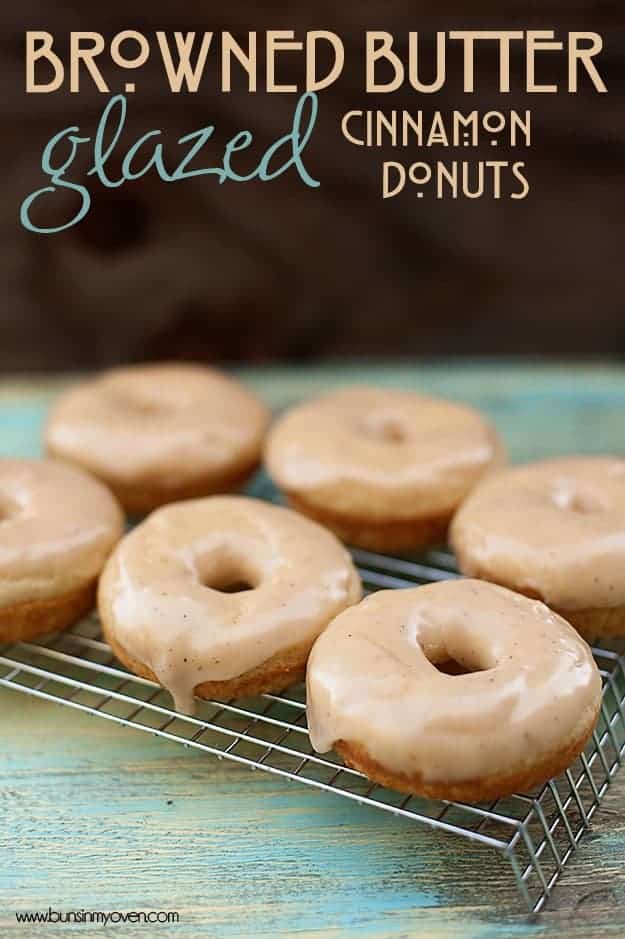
(311, 62)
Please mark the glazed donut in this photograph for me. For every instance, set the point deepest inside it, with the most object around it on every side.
(381, 691)
(383, 469)
(168, 608)
(57, 527)
(160, 433)
(552, 530)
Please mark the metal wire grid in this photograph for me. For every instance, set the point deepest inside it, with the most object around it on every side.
(535, 832)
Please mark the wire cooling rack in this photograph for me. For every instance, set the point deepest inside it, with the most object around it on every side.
(536, 832)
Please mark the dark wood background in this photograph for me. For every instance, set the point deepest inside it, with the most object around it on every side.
(276, 271)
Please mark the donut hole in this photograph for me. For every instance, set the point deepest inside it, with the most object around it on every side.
(144, 407)
(579, 501)
(150, 396)
(233, 586)
(136, 403)
(384, 428)
(227, 575)
(7, 510)
(450, 666)
(454, 654)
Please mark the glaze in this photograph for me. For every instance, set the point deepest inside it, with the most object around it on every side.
(162, 594)
(161, 428)
(373, 681)
(381, 454)
(57, 526)
(554, 529)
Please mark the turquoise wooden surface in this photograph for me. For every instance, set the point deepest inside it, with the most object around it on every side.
(97, 817)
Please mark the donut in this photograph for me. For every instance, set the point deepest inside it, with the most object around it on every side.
(555, 531)
(160, 433)
(223, 597)
(57, 527)
(383, 469)
(458, 690)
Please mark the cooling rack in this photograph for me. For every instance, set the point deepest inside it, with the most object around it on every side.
(535, 832)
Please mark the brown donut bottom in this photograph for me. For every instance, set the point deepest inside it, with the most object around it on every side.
(413, 534)
(276, 674)
(598, 623)
(33, 618)
(142, 497)
(591, 623)
(469, 790)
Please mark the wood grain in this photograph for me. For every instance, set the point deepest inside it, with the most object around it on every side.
(94, 816)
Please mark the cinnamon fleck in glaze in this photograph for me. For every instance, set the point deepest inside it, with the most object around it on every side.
(553, 529)
(163, 595)
(532, 685)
